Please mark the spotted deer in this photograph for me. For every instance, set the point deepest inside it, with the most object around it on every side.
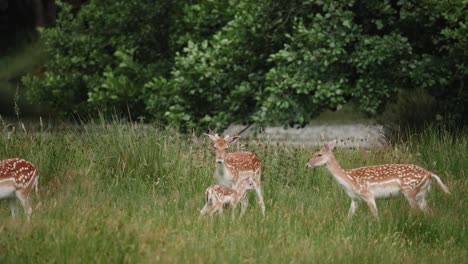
(217, 196)
(231, 168)
(17, 178)
(379, 181)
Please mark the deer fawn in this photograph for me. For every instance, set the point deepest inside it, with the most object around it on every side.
(369, 183)
(231, 168)
(216, 196)
(17, 178)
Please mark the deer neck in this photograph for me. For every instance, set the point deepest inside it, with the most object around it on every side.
(339, 174)
(223, 174)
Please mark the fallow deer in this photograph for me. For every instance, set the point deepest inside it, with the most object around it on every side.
(369, 183)
(231, 168)
(17, 178)
(217, 196)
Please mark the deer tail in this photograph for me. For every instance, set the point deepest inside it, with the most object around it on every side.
(441, 184)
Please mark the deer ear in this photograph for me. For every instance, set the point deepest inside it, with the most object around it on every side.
(233, 139)
(330, 146)
(213, 138)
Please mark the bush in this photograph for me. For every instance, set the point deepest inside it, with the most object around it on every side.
(206, 64)
(102, 56)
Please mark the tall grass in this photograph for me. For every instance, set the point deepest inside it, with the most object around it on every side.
(120, 192)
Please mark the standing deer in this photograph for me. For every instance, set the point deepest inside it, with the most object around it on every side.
(231, 168)
(216, 196)
(17, 178)
(369, 183)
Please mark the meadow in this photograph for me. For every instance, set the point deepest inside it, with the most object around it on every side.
(119, 192)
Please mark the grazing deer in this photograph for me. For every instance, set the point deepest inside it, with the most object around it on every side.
(231, 168)
(369, 183)
(17, 178)
(216, 196)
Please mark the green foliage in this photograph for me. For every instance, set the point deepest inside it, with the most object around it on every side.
(206, 64)
(102, 56)
(199, 20)
(436, 31)
(310, 73)
(210, 78)
(377, 61)
(120, 87)
(218, 81)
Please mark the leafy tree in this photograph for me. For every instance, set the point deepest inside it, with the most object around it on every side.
(220, 80)
(103, 55)
(207, 64)
(366, 51)
(437, 32)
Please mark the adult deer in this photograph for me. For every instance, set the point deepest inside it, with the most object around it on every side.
(17, 178)
(369, 183)
(232, 167)
(216, 196)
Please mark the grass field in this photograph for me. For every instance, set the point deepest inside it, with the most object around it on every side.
(118, 192)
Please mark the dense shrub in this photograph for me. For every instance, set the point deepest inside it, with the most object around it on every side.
(219, 80)
(103, 55)
(206, 64)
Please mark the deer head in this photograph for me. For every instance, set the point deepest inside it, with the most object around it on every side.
(322, 156)
(221, 144)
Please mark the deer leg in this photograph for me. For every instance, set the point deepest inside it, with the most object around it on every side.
(204, 210)
(221, 209)
(411, 197)
(352, 209)
(421, 197)
(423, 205)
(421, 200)
(36, 188)
(258, 191)
(233, 211)
(213, 210)
(24, 199)
(12, 204)
(244, 203)
(372, 206)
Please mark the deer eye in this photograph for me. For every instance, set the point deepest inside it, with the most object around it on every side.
(319, 155)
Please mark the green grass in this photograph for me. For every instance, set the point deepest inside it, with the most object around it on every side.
(131, 193)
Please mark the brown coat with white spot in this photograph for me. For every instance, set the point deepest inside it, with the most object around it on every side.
(369, 183)
(17, 178)
(217, 196)
(231, 168)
